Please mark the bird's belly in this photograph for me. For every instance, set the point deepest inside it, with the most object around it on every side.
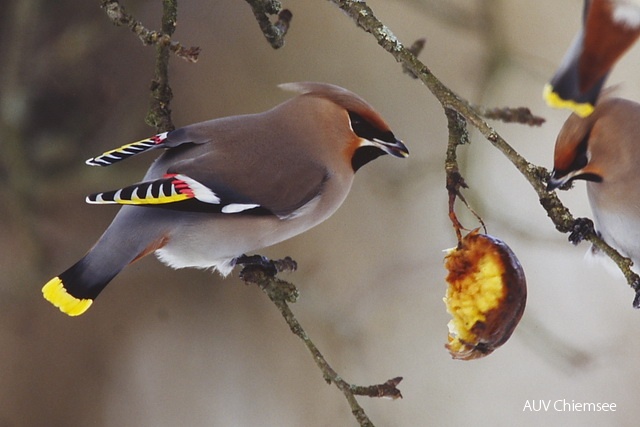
(620, 230)
(214, 242)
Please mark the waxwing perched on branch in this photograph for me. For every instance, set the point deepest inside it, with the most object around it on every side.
(228, 186)
(609, 28)
(604, 150)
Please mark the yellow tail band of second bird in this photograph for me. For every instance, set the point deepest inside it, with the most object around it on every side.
(554, 100)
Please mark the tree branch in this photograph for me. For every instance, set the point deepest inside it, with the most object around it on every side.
(458, 135)
(520, 115)
(281, 293)
(537, 176)
(120, 17)
(159, 115)
(274, 33)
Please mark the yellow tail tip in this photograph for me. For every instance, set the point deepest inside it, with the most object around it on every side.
(554, 100)
(56, 294)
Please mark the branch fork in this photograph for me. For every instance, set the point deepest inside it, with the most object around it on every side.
(119, 17)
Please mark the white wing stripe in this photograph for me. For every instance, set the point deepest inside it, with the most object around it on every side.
(238, 207)
(201, 192)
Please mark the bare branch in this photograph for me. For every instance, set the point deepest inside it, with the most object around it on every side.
(120, 17)
(159, 114)
(520, 115)
(387, 389)
(274, 33)
(458, 135)
(281, 293)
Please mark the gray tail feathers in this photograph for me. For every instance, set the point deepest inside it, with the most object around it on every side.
(74, 290)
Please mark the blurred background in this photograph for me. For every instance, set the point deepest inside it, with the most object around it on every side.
(166, 348)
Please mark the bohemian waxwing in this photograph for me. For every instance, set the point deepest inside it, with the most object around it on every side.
(604, 150)
(228, 186)
(609, 28)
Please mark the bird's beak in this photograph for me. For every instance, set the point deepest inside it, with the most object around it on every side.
(557, 180)
(395, 148)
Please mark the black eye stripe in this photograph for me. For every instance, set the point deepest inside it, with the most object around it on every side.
(366, 130)
(580, 160)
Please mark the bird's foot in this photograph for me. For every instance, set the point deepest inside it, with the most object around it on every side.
(261, 271)
(636, 300)
(582, 227)
(286, 265)
(252, 264)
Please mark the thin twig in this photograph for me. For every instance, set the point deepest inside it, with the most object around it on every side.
(537, 176)
(388, 389)
(117, 14)
(159, 115)
(458, 135)
(281, 293)
(273, 32)
(520, 115)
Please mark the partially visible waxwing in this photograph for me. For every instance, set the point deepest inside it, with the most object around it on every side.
(609, 29)
(604, 150)
(229, 186)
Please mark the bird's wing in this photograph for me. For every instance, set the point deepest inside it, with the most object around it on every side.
(208, 184)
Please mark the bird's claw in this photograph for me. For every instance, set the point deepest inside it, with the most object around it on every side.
(582, 227)
(252, 264)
